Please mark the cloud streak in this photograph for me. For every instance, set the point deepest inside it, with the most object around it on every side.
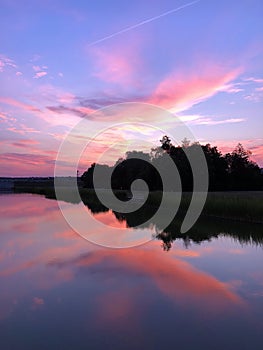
(149, 20)
(25, 143)
(13, 102)
(210, 121)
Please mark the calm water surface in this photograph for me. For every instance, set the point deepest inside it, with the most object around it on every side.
(58, 291)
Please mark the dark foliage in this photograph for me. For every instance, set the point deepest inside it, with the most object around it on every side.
(232, 171)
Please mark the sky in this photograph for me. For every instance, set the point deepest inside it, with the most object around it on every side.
(62, 61)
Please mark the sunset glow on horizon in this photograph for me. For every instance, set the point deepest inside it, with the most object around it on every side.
(61, 62)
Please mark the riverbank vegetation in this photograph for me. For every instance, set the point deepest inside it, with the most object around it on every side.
(235, 182)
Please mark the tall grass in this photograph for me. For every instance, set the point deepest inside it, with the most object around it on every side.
(242, 206)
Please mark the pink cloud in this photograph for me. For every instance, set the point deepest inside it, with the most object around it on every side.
(25, 143)
(39, 71)
(117, 65)
(23, 164)
(180, 91)
(78, 111)
(6, 62)
(3, 117)
(65, 116)
(34, 164)
(22, 129)
(40, 74)
(61, 107)
(36, 68)
(15, 130)
(33, 159)
(13, 102)
(50, 93)
(66, 97)
(1, 66)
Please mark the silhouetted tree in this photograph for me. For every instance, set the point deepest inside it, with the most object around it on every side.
(232, 171)
(217, 168)
(166, 143)
(243, 174)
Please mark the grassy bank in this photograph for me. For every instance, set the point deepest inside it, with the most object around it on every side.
(241, 206)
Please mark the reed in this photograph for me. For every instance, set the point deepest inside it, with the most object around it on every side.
(242, 206)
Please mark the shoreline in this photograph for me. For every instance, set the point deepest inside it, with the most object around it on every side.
(241, 206)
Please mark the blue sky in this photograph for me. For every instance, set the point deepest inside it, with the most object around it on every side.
(62, 60)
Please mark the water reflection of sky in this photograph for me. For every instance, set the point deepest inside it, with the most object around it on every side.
(59, 291)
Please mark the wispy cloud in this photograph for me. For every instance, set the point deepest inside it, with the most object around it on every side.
(32, 159)
(22, 129)
(254, 80)
(197, 119)
(231, 88)
(25, 163)
(25, 143)
(180, 91)
(254, 96)
(117, 65)
(13, 102)
(210, 121)
(66, 110)
(3, 117)
(36, 68)
(40, 74)
(53, 94)
(40, 71)
(6, 62)
(255, 93)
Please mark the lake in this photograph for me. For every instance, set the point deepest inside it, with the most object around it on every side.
(59, 291)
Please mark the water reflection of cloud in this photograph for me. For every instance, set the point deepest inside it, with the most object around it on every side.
(54, 255)
(176, 279)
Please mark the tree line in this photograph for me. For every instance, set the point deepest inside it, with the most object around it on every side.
(233, 171)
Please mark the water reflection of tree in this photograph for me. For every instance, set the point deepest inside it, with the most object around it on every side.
(95, 206)
(205, 228)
